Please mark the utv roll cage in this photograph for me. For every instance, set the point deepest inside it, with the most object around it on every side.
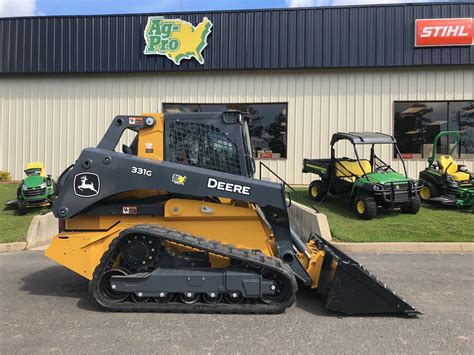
(366, 138)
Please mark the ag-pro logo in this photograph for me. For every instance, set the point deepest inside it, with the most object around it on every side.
(176, 39)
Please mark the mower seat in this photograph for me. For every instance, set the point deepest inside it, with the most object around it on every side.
(448, 165)
(351, 170)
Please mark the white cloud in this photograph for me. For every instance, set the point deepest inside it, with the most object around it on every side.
(10, 8)
(308, 3)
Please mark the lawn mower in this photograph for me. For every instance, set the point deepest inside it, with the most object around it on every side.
(444, 180)
(369, 183)
(36, 190)
(177, 223)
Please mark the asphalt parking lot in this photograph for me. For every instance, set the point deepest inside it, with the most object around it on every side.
(47, 309)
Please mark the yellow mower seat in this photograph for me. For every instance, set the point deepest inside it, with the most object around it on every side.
(448, 165)
(351, 170)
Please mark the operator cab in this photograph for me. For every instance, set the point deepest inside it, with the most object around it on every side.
(349, 170)
(217, 141)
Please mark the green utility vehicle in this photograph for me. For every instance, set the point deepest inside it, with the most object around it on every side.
(36, 190)
(444, 180)
(368, 183)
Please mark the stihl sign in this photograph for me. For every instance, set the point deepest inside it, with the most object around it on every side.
(444, 32)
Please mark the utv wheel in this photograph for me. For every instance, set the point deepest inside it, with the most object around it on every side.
(365, 207)
(20, 206)
(317, 190)
(412, 207)
(429, 191)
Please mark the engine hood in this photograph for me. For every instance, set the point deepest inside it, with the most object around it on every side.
(33, 181)
(384, 178)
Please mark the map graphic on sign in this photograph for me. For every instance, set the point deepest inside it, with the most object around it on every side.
(176, 39)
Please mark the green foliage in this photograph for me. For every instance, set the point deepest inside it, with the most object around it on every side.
(433, 223)
(5, 176)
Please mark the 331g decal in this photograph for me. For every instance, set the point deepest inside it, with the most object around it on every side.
(141, 171)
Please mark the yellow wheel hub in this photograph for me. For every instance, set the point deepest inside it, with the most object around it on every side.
(360, 207)
(314, 191)
(425, 193)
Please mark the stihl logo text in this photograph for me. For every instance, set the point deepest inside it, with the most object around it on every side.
(444, 32)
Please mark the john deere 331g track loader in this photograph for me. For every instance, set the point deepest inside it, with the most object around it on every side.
(177, 223)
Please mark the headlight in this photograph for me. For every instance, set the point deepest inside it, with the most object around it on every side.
(378, 187)
(43, 185)
(24, 188)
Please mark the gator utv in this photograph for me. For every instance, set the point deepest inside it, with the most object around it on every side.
(177, 224)
(444, 180)
(36, 190)
(368, 183)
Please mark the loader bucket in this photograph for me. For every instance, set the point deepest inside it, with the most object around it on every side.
(354, 290)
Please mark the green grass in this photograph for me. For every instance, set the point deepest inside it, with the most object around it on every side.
(433, 223)
(13, 227)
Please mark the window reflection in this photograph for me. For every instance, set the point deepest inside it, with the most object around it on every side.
(267, 126)
(416, 125)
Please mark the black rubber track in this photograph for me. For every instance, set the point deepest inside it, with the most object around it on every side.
(254, 259)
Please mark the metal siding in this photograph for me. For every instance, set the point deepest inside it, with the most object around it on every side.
(52, 118)
(259, 39)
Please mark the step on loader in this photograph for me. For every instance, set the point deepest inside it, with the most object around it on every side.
(176, 223)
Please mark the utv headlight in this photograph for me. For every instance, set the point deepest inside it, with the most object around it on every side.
(24, 188)
(378, 187)
(43, 185)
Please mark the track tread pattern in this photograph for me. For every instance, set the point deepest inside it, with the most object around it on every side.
(255, 259)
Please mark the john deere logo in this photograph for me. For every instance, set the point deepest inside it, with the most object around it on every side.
(86, 184)
(176, 39)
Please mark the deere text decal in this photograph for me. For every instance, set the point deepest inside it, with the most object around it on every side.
(176, 39)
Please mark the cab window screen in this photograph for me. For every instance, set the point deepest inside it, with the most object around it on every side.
(204, 146)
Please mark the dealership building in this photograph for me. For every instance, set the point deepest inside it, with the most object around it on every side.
(300, 74)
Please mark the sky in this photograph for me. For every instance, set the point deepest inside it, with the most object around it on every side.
(9, 8)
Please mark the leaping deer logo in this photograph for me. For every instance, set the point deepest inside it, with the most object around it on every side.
(86, 186)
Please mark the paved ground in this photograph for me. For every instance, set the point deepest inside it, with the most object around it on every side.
(46, 308)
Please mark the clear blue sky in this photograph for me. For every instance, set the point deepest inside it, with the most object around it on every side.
(88, 7)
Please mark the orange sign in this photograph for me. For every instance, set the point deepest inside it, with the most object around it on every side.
(265, 155)
(444, 32)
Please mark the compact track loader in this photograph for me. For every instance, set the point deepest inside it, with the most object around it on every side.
(176, 223)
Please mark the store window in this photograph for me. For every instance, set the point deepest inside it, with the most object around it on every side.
(267, 126)
(416, 124)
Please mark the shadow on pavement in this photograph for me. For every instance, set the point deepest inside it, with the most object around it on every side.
(309, 301)
(60, 282)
